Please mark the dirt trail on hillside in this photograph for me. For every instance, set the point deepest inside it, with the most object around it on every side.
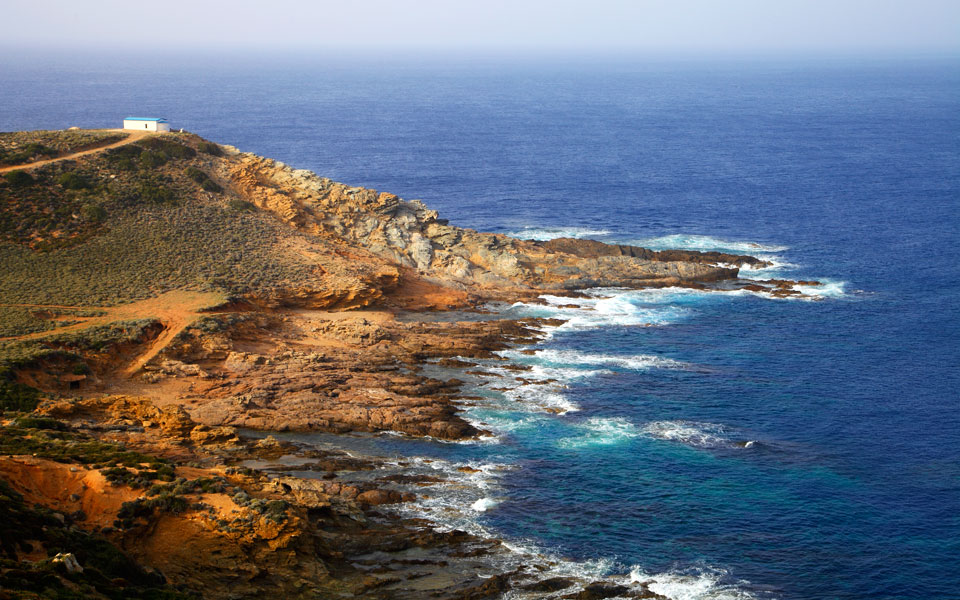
(176, 310)
(133, 137)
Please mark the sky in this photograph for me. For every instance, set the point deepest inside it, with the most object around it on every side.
(653, 26)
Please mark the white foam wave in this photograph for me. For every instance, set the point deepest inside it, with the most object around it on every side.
(543, 396)
(466, 490)
(483, 504)
(706, 243)
(777, 264)
(695, 584)
(692, 433)
(542, 386)
(605, 309)
(543, 234)
(828, 288)
(637, 362)
(600, 431)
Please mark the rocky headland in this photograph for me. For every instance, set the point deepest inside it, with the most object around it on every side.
(165, 298)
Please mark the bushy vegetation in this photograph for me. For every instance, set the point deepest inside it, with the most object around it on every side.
(203, 180)
(148, 154)
(19, 178)
(73, 181)
(106, 570)
(210, 148)
(55, 209)
(94, 213)
(15, 354)
(28, 153)
(39, 438)
(201, 485)
(150, 248)
(67, 347)
(153, 192)
(67, 202)
(140, 478)
(169, 148)
(101, 336)
(168, 498)
(28, 422)
(240, 204)
(23, 147)
(143, 508)
(105, 230)
(17, 397)
(152, 160)
(271, 510)
(20, 321)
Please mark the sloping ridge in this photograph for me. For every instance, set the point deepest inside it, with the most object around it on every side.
(133, 137)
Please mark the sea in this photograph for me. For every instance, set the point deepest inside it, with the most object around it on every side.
(715, 445)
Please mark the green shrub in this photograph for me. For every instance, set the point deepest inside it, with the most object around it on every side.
(155, 193)
(142, 508)
(125, 164)
(195, 174)
(39, 423)
(241, 205)
(141, 479)
(128, 151)
(94, 213)
(73, 181)
(26, 154)
(70, 446)
(152, 160)
(211, 186)
(81, 369)
(210, 148)
(19, 178)
(36, 149)
(16, 396)
(168, 148)
(203, 179)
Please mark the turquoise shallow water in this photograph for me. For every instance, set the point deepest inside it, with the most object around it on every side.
(737, 445)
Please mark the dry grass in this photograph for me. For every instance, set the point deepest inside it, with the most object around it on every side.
(22, 147)
(133, 223)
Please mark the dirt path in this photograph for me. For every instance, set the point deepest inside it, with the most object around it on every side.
(172, 326)
(133, 137)
(176, 310)
(83, 323)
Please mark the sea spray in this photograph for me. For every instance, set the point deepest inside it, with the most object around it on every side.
(543, 234)
(601, 431)
(706, 243)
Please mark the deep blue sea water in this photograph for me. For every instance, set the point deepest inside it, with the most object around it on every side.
(738, 445)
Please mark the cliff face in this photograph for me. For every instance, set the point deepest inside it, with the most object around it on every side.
(409, 234)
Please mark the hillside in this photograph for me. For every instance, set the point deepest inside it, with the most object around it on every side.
(157, 295)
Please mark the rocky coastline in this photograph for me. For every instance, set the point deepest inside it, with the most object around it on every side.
(140, 443)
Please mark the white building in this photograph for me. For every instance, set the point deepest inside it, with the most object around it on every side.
(146, 124)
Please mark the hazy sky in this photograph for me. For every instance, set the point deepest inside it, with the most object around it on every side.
(692, 26)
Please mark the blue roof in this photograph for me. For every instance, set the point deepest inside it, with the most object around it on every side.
(157, 119)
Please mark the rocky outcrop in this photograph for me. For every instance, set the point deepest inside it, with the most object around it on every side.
(409, 234)
(594, 249)
(123, 413)
(342, 373)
